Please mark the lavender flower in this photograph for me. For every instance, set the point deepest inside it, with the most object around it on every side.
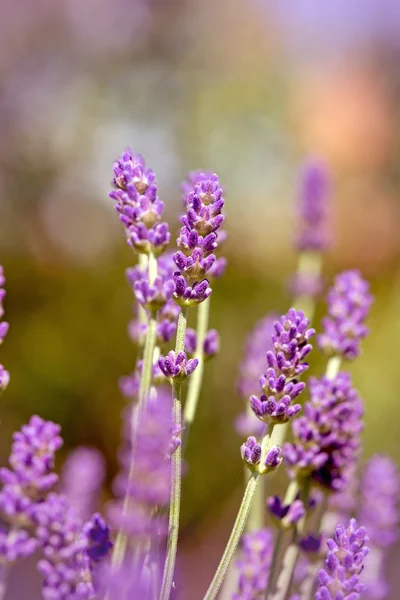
(279, 385)
(251, 454)
(176, 367)
(253, 565)
(138, 205)
(286, 515)
(198, 239)
(344, 563)
(66, 566)
(210, 345)
(98, 542)
(154, 296)
(349, 302)
(327, 437)
(380, 494)
(83, 465)
(156, 440)
(312, 235)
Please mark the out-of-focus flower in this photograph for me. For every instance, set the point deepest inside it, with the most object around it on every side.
(343, 564)
(349, 302)
(82, 478)
(4, 375)
(253, 565)
(287, 515)
(380, 495)
(312, 207)
(327, 437)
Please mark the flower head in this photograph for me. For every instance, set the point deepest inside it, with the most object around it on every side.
(344, 563)
(312, 234)
(139, 208)
(349, 302)
(176, 366)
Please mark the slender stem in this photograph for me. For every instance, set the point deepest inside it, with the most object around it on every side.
(195, 382)
(174, 511)
(176, 474)
(255, 520)
(309, 263)
(234, 538)
(291, 493)
(142, 314)
(121, 541)
(333, 366)
(292, 552)
(239, 524)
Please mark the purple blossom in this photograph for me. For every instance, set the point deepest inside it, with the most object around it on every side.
(98, 542)
(253, 363)
(136, 201)
(83, 465)
(306, 284)
(129, 385)
(312, 234)
(311, 544)
(156, 440)
(210, 345)
(154, 296)
(198, 238)
(380, 494)
(344, 563)
(286, 514)
(285, 362)
(348, 302)
(327, 438)
(66, 566)
(253, 565)
(186, 295)
(251, 454)
(176, 367)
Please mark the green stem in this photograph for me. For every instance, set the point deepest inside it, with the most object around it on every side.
(176, 474)
(309, 263)
(142, 314)
(121, 541)
(234, 538)
(196, 380)
(239, 524)
(174, 511)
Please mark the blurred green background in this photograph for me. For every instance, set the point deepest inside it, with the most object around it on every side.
(246, 88)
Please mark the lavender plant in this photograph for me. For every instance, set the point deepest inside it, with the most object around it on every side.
(75, 553)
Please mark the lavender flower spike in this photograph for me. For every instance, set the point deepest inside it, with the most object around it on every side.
(285, 362)
(349, 302)
(344, 563)
(26, 485)
(176, 367)
(139, 208)
(380, 495)
(251, 454)
(312, 235)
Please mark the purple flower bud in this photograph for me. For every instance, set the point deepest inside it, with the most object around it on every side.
(311, 544)
(99, 543)
(153, 297)
(273, 459)
(286, 514)
(176, 367)
(185, 295)
(251, 453)
(344, 563)
(129, 385)
(211, 343)
(190, 341)
(349, 302)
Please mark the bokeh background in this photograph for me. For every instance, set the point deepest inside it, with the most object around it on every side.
(247, 88)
